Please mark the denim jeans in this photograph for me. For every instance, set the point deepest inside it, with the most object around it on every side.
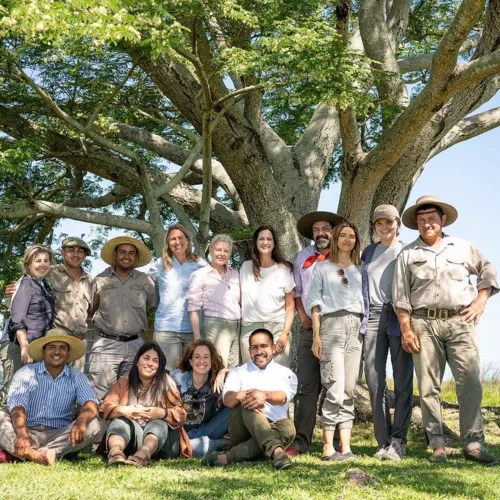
(208, 436)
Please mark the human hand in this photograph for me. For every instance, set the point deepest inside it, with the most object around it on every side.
(474, 310)
(25, 357)
(219, 380)
(410, 342)
(10, 289)
(317, 346)
(254, 400)
(306, 322)
(77, 431)
(280, 346)
(22, 445)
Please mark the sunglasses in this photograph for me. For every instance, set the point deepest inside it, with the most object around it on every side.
(341, 273)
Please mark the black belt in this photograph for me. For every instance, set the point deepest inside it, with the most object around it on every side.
(120, 338)
(437, 313)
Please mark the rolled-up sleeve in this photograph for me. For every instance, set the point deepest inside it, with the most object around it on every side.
(401, 289)
(20, 390)
(151, 293)
(113, 398)
(297, 277)
(290, 382)
(316, 291)
(483, 268)
(195, 292)
(84, 391)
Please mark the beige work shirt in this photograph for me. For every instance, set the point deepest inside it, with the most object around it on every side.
(73, 300)
(439, 278)
(120, 305)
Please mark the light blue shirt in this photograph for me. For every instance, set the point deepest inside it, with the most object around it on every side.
(47, 401)
(172, 313)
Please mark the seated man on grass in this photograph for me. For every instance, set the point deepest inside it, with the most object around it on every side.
(259, 392)
(38, 425)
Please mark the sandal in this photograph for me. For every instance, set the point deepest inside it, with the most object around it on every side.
(116, 456)
(138, 460)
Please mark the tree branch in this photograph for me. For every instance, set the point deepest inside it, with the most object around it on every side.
(467, 129)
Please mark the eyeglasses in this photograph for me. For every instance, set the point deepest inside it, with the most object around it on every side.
(341, 273)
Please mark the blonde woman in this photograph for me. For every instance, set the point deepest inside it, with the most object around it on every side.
(336, 301)
(172, 272)
(215, 290)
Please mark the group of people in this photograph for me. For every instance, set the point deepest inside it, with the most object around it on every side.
(220, 358)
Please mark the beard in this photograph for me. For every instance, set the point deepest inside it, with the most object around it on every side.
(322, 243)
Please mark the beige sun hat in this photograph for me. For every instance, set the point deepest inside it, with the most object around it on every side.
(410, 214)
(76, 346)
(304, 226)
(74, 241)
(107, 252)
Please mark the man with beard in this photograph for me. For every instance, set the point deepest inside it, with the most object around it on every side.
(317, 226)
(121, 295)
(259, 392)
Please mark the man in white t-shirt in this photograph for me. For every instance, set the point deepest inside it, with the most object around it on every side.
(259, 392)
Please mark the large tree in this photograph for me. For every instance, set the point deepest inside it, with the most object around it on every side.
(229, 113)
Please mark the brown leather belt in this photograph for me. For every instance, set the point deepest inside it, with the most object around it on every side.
(120, 338)
(436, 313)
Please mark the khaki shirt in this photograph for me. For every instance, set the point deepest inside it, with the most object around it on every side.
(73, 300)
(439, 278)
(120, 306)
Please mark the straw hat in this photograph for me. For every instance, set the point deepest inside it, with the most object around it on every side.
(304, 226)
(76, 346)
(410, 214)
(108, 256)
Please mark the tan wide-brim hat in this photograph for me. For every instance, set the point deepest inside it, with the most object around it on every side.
(76, 346)
(304, 226)
(410, 214)
(108, 256)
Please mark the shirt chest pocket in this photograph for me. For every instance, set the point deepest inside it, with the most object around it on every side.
(421, 266)
(108, 297)
(455, 267)
(138, 297)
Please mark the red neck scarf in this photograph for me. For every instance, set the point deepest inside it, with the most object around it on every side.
(317, 257)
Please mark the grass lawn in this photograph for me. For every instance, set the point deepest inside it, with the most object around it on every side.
(413, 478)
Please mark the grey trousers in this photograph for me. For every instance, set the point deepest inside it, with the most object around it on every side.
(173, 345)
(453, 341)
(275, 328)
(133, 434)
(308, 390)
(253, 436)
(10, 356)
(339, 365)
(377, 345)
(110, 360)
(48, 438)
(225, 334)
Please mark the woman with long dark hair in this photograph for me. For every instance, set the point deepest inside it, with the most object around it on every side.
(200, 378)
(267, 297)
(146, 413)
(336, 301)
(172, 272)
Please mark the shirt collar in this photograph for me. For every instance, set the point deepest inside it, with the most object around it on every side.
(132, 275)
(447, 240)
(41, 368)
(253, 367)
(61, 268)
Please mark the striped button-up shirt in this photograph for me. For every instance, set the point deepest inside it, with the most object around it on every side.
(218, 296)
(47, 401)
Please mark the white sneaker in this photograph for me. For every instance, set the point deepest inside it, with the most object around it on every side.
(379, 453)
(396, 450)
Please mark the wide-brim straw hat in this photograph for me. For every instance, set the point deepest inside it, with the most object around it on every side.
(410, 214)
(108, 256)
(76, 346)
(304, 226)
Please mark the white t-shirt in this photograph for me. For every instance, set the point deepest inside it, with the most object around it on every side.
(264, 299)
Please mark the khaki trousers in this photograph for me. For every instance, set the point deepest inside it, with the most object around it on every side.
(275, 328)
(48, 438)
(253, 436)
(453, 341)
(173, 345)
(225, 334)
(10, 356)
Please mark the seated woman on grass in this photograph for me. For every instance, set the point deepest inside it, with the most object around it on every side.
(200, 378)
(146, 413)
